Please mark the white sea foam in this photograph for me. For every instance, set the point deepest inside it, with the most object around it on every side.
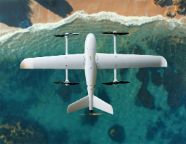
(114, 17)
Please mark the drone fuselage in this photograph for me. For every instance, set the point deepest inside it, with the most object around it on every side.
(90, 66)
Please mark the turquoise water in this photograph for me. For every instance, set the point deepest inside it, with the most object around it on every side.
(151, 109)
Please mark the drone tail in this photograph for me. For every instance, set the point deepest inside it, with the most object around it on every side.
(79, 104)
(102, 105)
(84, 102)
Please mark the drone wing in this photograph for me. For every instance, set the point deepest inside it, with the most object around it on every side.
(73, 61)
(111, 61)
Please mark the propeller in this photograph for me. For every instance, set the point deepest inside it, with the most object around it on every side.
(66, 83)
(62, 35)
(116, 82)
(91, 113)
(65, 34)
(116, 33)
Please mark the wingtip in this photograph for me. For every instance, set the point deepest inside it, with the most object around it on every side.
(26, 64)
(68, 109)
(112, 112)
(163, 62)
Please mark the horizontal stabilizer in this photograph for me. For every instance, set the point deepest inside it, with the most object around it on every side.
(100, 104)
(79, 104)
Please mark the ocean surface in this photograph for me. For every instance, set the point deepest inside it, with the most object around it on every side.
(151, 109)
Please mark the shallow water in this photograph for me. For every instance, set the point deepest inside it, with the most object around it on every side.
(151, 109)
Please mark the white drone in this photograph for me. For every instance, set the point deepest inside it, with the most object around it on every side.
(90, 61)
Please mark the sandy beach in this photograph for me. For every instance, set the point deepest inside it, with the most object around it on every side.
(122, 7)
(39, 12)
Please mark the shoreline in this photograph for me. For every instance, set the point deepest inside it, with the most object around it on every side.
(124, 20)
(128, 8)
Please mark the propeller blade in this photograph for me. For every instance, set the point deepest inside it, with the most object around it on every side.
(107, 32)
(115, 83)
(72, 83)
(65, 34)
(108, 83)
(122, 33)
(66, 83)
(123, 82)
(62, 35)
(116, 33)
(75, 33)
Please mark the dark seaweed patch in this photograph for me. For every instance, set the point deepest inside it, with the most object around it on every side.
(175, 87)
(117, 133)
(166, 134)
(178, 139)
(136, 49)
(151, 132)
(83, 141)
(65, 92)
(123, 73)
(11, 108)
(145, 99)
(156, 77)
(102, 94)
(154, 129)
(173, 48)
(143, 76)
(33, 78)
(160, 124)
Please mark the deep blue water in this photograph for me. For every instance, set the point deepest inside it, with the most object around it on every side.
(151, 109)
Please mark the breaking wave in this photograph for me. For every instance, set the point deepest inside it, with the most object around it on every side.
(111, 16)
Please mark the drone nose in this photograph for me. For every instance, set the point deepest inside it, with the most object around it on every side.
(90, 42)
(90, 35)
